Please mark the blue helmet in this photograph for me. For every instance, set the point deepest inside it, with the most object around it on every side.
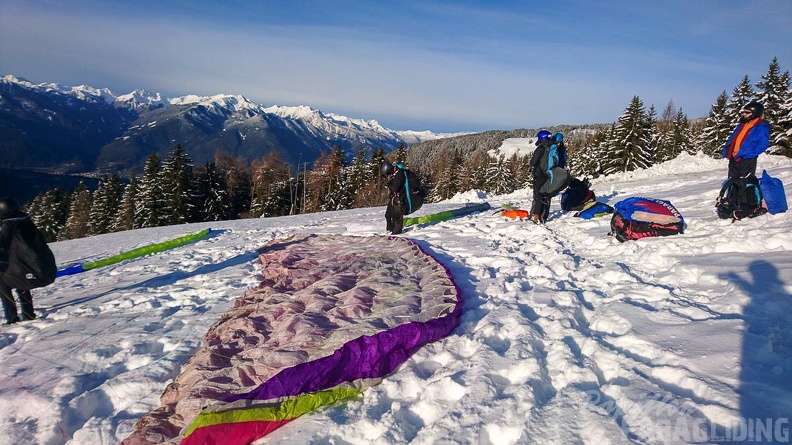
(558, 137)
(542, 135)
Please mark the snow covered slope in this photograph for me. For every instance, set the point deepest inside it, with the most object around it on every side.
(567, 335)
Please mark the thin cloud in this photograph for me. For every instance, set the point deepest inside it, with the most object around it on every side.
(478, 68)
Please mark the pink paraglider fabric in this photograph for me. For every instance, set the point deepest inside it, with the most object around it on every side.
(332, 316)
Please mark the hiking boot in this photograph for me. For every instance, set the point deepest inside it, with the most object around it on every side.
(13, 320)
(536, 219)
(26, 317)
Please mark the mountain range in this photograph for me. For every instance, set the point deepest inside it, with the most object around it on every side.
(52, 128)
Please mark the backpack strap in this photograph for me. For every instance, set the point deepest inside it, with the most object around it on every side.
(407, 189)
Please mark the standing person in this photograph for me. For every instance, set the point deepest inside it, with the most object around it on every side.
(749, 139)
(26, 262)
(394, 213)
(540, 207)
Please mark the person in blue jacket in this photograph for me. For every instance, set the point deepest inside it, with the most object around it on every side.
(750, 139)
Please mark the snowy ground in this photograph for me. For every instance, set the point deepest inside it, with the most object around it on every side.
(567, 337)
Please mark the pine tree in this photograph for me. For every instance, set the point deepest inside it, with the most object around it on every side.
(500, 178)
(717, 128)
(239, 185)
(784, 138)
(373, 192)
(445, 185)
(400, 154)
(357, 175)
(151, 202)
(272, 187)
(773, 90)
(476, 171)
(660, 130)
(587, 160)
(125, 218)
(49, 211)
(680, 134)
(106, 201)
(377, 158)
(325, 190)
(519, 165)
(631, 147)
(211, 198)
(176, 176)
(78, 222)
(742, 94)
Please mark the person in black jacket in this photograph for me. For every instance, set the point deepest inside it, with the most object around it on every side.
(540, 207)
(11, 220)
(394, 213)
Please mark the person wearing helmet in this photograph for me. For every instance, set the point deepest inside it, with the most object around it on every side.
(749, 139)
(11, 220)
(394, 212)
(540, 207)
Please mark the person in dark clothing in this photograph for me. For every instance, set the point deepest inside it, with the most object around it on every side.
(749, 139)
(11, 220)
(540, 207)
(394, 213)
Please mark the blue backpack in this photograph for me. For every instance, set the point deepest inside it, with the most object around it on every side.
(773, 192)
(555, 155)
(553, 163)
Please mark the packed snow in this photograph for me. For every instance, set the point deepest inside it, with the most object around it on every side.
(567, 335)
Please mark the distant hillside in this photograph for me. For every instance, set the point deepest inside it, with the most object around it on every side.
(428, 152)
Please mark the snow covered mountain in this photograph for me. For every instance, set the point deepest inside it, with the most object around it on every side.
(85, 129)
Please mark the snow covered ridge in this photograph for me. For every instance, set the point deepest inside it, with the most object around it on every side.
(82, 92)
(142, 99)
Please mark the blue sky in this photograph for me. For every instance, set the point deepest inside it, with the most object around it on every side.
(437, 65)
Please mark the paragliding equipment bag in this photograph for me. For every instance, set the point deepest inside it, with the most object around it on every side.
(636, 218)
(414, 193)
(594, 209)
(558, 179)
(740, 198)
(552, 164)
(577, 195)
(773, 193)
(31, 263)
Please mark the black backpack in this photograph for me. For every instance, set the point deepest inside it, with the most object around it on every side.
(740, 198)
(31, 263)
(577, 195)
(415, 193)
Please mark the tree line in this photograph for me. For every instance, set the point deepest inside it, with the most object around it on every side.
(639, 139)
(174, 191)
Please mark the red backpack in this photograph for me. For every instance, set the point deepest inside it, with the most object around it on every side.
(636, 218)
